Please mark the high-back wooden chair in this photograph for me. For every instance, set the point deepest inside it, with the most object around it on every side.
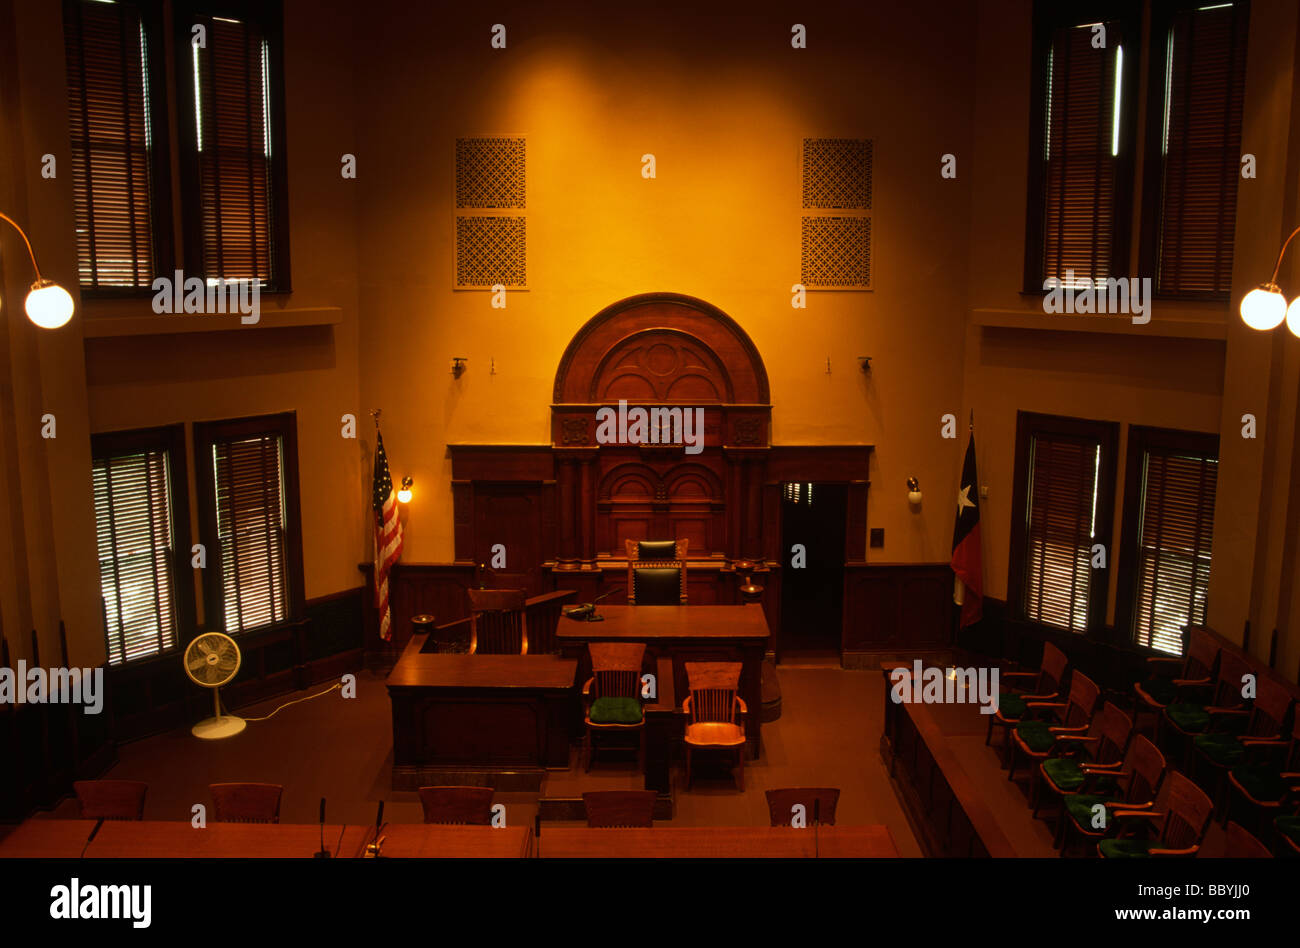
(246, 802)
(111, 799)
(715, 713)
(498, 625)
(656, 572)
(1182, 720)
(656, 549)
(462, 805)
(818, 804)
(1062, 775)
(1266, 785)
(1178, 831)
(1048, 722)
(1239, 844)
(1042, 685)
(1237, 735)
(610, 808)
(1135, 786)
(1169, 676)
(611, 698)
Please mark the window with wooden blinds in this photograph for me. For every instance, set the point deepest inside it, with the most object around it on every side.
(236, 226)
(1064, 472)
(1194, 147)
(118, 165)
(249, 478)
(1168, 534)
(1081, 154)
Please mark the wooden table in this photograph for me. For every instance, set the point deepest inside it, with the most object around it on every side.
(421, 841)
(125, 839)
(717, 842)
(47, 839)
(505, 713)
(685, 634)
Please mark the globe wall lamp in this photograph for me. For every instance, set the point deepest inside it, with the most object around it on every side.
(48, 304)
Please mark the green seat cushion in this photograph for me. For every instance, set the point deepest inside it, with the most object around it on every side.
(615, 711)
(1162, 690)
(1064, 773)
(1011, 706)
(1260, 781)
(1036, 735)
(1079, 806)
(1222, 749)
(1190, 718)
(1126, 848)
(1288, 826)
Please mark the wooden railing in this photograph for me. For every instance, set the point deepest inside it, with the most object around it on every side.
(542, 614)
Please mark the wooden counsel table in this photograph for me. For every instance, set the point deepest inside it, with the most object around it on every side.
(432, 841)
(506, 713)
(685, 634)
(717, 842)
(129, 839)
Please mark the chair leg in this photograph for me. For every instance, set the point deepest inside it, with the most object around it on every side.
(1011, 768)
(740, 768)
(587, 750)
(688, 766)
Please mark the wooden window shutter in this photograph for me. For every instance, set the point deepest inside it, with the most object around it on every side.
(1175, 533)
(133, 525)
(250, 508)
(1204, 89)
(1081, 171)
(233, 139)
(1061, 522)
(109, 59)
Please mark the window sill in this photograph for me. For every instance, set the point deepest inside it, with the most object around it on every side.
(100, 327)
(1180, 325)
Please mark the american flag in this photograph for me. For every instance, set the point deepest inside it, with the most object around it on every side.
(388, 535)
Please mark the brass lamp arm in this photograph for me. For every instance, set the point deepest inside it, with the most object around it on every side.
(1280, 254)
(23, 234)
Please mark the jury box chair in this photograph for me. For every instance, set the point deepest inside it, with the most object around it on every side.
(1169, 676)
(1025, 686)
(715, 714)
(611, 698)
(1177, 831)
(498, 625)
(471, 806)
(656, 572)
(111, 799)
(246, 802)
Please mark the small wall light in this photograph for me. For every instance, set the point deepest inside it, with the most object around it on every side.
(48, 304)
(913, 491)
(1264, 307)
(865, 362)
(458, 366)
(404, 495)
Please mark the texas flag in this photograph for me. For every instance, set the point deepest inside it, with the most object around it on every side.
(967, 564)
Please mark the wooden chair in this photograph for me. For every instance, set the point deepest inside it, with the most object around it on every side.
(457, 805)
(609, 808)
(1241, 845)
(1184, 719)
(1223, 750)
(656, 549)
(1134, 787)
(661, 584)
(1179, 831)
(1170, 676)
(1062, 775)
(498, 625)
(611, 698)
(111, 799)
(1042, 685)
(1262, 789)
(818, 803)
(714, 713)
(246, 802)
(1036, 738)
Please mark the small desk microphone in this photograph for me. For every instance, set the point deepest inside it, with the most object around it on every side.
(324, 853)
(537, 834)
(373, 850)
(91, 838)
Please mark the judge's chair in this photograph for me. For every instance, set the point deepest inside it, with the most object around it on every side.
(611, 698)
(612, 808)
(1178, 831)
(471, 806)
(715, 714)
(656, 572)
(818, 805)
(246, 802)
(497, 622)
(111, 799)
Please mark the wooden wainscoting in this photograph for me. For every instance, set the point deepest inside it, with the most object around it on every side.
(895, 611)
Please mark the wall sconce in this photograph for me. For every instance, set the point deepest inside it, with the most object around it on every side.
(1264, 307)
(48, 304)
(913, 492)
(458, 364)
(865, 362)
(404, 495)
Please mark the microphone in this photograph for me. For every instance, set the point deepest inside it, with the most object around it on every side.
(91, 838)
(372, 851)
(537, 834)
(324, 853)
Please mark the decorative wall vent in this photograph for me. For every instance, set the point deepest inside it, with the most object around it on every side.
(836, 217)
(491, 251)
(490, 173)
(491, 217)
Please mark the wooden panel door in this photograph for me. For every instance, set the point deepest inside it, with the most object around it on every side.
(510, 515)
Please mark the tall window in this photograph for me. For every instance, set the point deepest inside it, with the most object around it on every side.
(118, 167)
(1194, 145)
(1061, 538)
(228, 69)
(137, 533)
(1081, 144)
(250, 495)
(1168, 534)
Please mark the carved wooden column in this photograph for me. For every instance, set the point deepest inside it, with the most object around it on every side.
(567, 486)
(754, 508)
(587, 510)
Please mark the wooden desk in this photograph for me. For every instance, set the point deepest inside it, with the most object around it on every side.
(717, 842)
(685, 634)
(433, 841)
(482, 712)
(128, 839)
(47, 839)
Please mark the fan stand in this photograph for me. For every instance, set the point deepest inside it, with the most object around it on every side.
(220, 725)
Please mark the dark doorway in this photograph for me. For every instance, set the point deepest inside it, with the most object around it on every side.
(812, 595)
